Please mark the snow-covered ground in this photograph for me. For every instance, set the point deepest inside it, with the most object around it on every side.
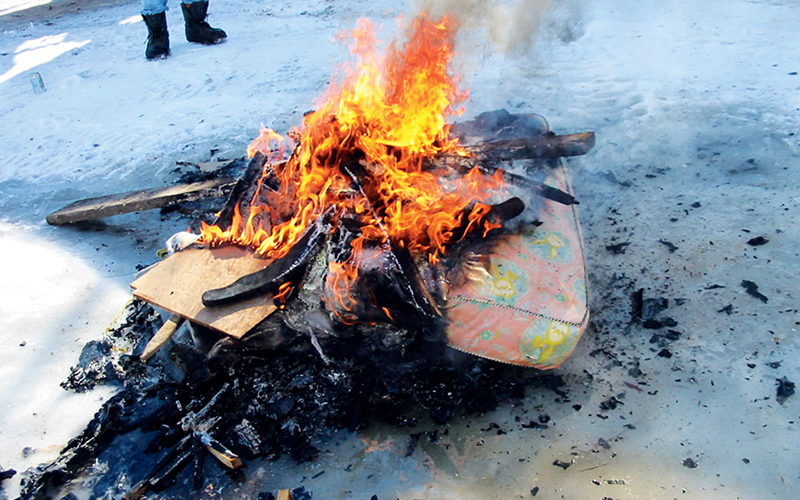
(696, 109)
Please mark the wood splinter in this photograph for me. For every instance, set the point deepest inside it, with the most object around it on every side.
(221, 452)
(161, 337)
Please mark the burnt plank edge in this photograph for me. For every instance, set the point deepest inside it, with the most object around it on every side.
(134, 201)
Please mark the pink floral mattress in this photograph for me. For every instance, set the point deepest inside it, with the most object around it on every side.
(529, 307)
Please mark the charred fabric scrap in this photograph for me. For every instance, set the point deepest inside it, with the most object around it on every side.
(299, 374)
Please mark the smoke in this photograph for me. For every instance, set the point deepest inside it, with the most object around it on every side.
(492, 26)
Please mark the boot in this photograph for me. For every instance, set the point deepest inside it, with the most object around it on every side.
(197, 29)
(158, 36)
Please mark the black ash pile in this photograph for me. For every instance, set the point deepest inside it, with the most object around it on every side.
(267, 396)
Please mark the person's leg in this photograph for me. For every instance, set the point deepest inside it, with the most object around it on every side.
(197, 29)
(150, 7)
(155, 17)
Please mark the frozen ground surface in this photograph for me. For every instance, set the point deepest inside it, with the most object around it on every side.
(695, 106)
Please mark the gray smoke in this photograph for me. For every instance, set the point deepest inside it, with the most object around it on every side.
(495, 26)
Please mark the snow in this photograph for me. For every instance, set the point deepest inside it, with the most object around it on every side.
(695, 106)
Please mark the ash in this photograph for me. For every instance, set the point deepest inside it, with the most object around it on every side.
(272, 394)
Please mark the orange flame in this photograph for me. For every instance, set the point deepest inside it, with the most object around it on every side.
(387, 117)
(283, 292)
(264, 144)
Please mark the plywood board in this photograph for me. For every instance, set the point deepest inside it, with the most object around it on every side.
(177, 285)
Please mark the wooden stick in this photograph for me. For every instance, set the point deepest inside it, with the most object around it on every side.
(167, 461)
(220, 451)
(134, 201)
(161, 337)
(228, 458)
(284, 495)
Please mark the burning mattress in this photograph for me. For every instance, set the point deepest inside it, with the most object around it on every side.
(526, 302)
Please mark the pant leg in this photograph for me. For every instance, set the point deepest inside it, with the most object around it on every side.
(153, 7)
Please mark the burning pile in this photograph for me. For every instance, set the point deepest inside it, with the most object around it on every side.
(358, 236)
(374, 176)
(360, 174)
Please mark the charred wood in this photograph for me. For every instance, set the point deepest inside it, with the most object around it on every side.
(80, 451)
(198, 463)
(243, 191)
(269, 279)
(167, 467)
(542, 146)
(463, 165)
(543, 190)
(432, 300)
(147, 199)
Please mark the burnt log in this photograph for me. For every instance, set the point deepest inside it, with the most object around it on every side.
(280, 271)
(487, 155)
(243, 191)
(542, 146)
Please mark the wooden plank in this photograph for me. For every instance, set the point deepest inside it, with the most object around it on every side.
(178, 282)
(134, 201)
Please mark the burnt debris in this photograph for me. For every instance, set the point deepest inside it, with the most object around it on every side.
(752, 290)
(785, 389)
(757, 241)
(6, 474)
(269, 395)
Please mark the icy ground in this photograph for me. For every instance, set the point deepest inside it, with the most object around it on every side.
(695, 106)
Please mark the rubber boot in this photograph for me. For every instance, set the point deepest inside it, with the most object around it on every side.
(158, 36)
(197, 29)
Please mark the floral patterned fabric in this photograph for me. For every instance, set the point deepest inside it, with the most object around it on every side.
(529, 307)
